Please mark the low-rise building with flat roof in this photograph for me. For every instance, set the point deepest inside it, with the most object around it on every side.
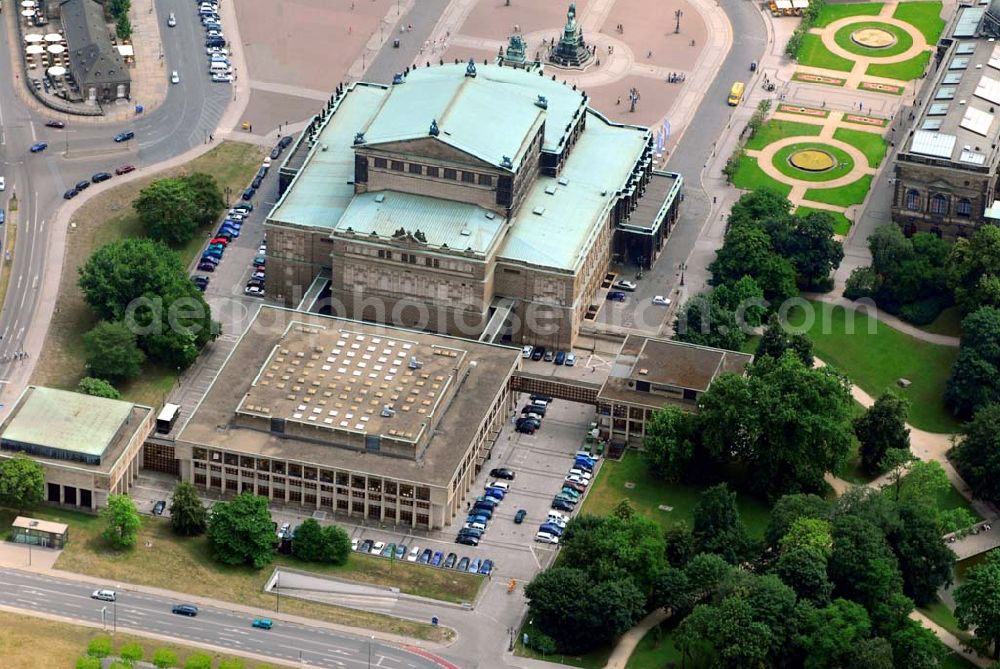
(370, 421)
(649, 374)
(87, 445)
(467, 199)
(43, 533)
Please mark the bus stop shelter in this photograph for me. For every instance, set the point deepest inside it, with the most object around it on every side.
(43, 533)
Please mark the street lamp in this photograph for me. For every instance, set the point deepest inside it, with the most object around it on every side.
(277, 592)
(370, 640)
(32, 524)
(678, 14)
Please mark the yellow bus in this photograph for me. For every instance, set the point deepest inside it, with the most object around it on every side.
(736, 93)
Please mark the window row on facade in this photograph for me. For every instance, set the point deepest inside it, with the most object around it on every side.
(937, 204)
(447, 173)
(411, 258)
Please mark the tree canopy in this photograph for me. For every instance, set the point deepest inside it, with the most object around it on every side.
(975, 375)
(977, 455)
(122, 521)
(315, 543)
(242, 532)
(777, 339)
(22, 482)
(173, 209)
(188, 516)
(973, 268)
(880, 429)
(90, 385)
(718, 527)
(112, 352)
(977, 604)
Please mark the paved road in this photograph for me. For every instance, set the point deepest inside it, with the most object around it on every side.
(423, 17)
(316, 647)
(190, 111)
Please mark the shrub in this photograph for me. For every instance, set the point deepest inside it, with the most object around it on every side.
(99, 646)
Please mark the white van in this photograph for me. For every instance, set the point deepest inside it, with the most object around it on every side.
(503, 485)
(218, 67)
(560, 517)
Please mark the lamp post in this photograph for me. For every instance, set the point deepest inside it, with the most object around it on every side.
(371, 639)
(678, 14)
(31, 525)
(277, 593)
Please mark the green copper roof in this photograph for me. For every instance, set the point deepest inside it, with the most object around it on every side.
(491, 115)
(324, 186)
(457, 225)
(556, 223)
(66, 421)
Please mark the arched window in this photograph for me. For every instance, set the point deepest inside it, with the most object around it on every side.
(939, 204)
(913, 200)
(964, 208)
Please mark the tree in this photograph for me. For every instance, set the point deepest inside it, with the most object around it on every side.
(804, 570)
(812, 250)
(829, 635)
(747, 251)
(924, 560)
(99, 647)
(242, 532)
(758, 205)
(775, 341)
(623, 510)
(612, 549)
(198, 660)
(207, 197)
(679, 544)
(975, 375)
(580, 615)
(718, 527)
(122, 521)
(112, 351)
(972, 269)
(131, 652)
(168, 210)
(744, 299)
(670, 442)
(543, 643)
(880, 429)
(164, 658)
(790, 508)
(309, 543)
(977, 455)
(789, 424)
(123, 27)
(812, 533)
(889, 248)
(89, 662)
(706, 572)
(22, 482)
(916, 647)
(672, 591)
(188, 516)
(90, 385)
(338, 543)
(873, 653)
(977, 604)
(118, 7)
(727, 631)
(704, 322)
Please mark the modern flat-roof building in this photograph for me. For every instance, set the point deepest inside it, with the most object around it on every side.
(365, 420)
(649, 374)
(43, 533)
(467, 199)
(87, 445)
(95, 63)
(946, 170)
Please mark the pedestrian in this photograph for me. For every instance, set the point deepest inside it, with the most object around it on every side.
(619, 100)
(649, 54)
(211, 137)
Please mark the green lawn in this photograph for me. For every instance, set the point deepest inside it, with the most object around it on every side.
(649, 493)
(955, 661)
(948, 322)
(842, 225)
(164, 560)
(656, 649)
(875, 361)
(845, 196)
(869, 143)
(593, 660)
(925, 16)
(940, 614)
(831, 13)
(814, 54)
(844, 41)
(749, 176)
(904, 71)
(843, 163)
(774, 130)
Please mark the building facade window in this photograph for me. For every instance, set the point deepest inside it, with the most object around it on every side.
(433, 171)
(381, 162)
(450, 174)
(964, 208)
(913, 200)
(485, 180)
(432, 262)
(415, 168)
(939, 205)
(469, 177)
(397, 165)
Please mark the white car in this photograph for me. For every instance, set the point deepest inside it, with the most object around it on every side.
(377, 548)
(3, 183)
(414, 554)
(354, 544)
(546, 538)
(579, 472)
(560, 517)
(570, 359)
(662, 301)
(503, 485)
(557, 522)
(172, 21)
(253, 290)
(526, 351)
(626, 285)
(578, 480)
(175, 78)
(223, 78)
(104, 595)
(267, 161)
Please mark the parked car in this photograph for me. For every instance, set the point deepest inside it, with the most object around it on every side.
(400, 552)
(125, 136)
(463, 564)
(82, 185)
(59, 125)
(503, 473)
(220, 240)
(354, 544)
(219, 77)
(185, 610)
(205, 266)
(104, 595)
(242, 207)
(259, 260)
(525, 428)
(560, 358)
(38, 147)
(249, 193)
(160, 505)
(546, 538)
(437, 559)
(255, 184)
(171, 20)
(622, 284)
(174, 77)
(499, 493)
(486, 568)
(124, 169)
(661, 301)
(570, 359)
(262, 623)
(70, 194)
(549, 356)
(262, 171)
(474, 566)
(538, 353)
(377, 547)
(526, 351)
(100, 176)
(285, 141)
(450, 561)
(616, 296)
(201, 281)
(519, 516)
(366, 546)
(425, 557)
(467, 540)
(275, 152)
(388, 551)
(561, 505)
(413, 554)
(552, 529)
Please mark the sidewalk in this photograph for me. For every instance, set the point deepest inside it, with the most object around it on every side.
(887, 318)
(629, 640)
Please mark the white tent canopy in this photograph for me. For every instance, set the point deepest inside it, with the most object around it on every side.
(34, 49)
(53, 37)
(33, 37)
(56, 48)
(56, 71)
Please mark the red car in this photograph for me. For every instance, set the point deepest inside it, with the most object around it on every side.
(220, 240)
(124, 169)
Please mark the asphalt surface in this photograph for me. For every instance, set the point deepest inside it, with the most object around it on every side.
(313, 646)
(190, 111)
(423, 16)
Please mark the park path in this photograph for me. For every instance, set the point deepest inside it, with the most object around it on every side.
(628, 641)
(887, 319)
